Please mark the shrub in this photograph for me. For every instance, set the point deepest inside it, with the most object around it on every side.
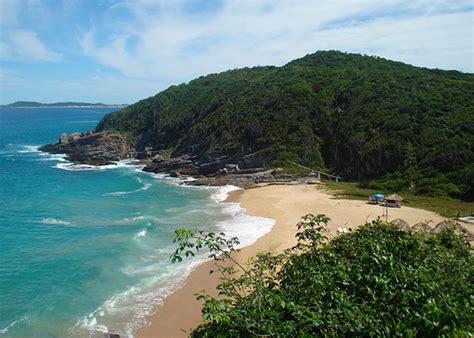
(375, 281)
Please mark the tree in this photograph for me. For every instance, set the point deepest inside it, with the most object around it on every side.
(411, 170)
(375, 281)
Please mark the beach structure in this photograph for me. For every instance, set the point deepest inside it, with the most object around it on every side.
(376, 198)
(393, 201)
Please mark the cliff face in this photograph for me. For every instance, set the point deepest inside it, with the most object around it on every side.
(350, 114)
(92, 148)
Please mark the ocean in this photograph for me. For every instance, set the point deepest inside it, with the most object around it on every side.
(85, 250)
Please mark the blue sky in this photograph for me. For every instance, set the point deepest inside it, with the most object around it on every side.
(122, 51)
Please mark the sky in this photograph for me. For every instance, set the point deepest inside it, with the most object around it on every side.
(123, 51)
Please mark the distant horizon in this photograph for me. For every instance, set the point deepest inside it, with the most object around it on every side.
(62, 101)
(119, 51)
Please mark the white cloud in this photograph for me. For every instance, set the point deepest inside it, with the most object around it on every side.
(169, 43)
(23, 45)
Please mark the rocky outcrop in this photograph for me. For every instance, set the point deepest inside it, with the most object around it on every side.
(92, 148)
(242, 180)
(161, 164)
(185, 164)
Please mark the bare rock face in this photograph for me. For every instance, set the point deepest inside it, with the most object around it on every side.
(179, 165)
(92, 148)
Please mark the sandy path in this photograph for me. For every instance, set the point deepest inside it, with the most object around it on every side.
(286, 204)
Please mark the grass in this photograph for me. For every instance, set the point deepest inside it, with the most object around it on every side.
(445, 206)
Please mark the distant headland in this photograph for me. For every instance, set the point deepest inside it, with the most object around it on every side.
(32, 104)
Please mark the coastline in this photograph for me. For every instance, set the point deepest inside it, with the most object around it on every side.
(181, 312)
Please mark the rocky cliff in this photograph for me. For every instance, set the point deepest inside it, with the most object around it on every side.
(92, 148)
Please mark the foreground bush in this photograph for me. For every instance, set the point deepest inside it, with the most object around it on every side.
(376, 281)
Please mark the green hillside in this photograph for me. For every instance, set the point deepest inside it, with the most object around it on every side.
(361, 117)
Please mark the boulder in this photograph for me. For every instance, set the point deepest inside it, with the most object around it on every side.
(174, 174)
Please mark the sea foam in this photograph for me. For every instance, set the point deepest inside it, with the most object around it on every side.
(54, 221)
(160, 279)
(70, 166)
(29, 149)
(144, 186)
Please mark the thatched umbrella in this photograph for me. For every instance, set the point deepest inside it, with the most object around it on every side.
(401, 224)
(394, 197)
(458, 229)
(422, 226)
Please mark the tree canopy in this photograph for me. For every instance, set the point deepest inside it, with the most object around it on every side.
(346, 113)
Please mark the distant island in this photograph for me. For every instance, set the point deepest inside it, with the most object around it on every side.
(32, 104)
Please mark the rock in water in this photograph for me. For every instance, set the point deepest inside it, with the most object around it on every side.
(96, 149)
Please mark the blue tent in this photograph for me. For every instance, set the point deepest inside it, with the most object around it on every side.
(376, 198)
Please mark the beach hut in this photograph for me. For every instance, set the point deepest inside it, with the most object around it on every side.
(393, 201)
(376, 198)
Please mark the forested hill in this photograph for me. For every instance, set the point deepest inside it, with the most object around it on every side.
(358, 116)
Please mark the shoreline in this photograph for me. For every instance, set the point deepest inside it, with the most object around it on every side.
(181, 312)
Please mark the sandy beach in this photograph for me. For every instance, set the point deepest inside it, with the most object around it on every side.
(180, 312)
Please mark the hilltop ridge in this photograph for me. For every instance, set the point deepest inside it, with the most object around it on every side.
(363, 118)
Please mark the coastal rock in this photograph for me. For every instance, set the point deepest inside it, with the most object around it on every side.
(250, 180)
(96, 149)
(111, 335)
(216, 165)
(254, 160)
(161, 164)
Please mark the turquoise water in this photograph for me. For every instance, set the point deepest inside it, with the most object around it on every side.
(85, 250)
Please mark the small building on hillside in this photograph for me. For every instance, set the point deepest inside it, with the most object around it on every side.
(376, 198)
(393, 201)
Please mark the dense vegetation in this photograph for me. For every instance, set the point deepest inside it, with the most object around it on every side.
(376, 281)
(361, 117)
